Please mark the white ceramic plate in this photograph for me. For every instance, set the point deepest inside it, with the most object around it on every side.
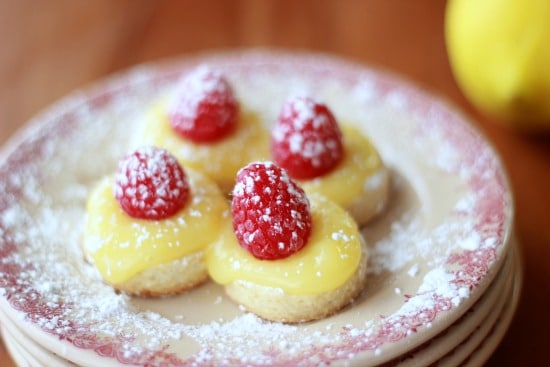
(23, 358)
(483, 312)
(27, 348)
(478, 349)
(17, 355)
(432, 254)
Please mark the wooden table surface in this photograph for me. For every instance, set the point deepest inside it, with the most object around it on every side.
(50, 47)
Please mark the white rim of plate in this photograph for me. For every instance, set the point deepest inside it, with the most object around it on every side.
(29, 347)
(18, 356)
(461, 331)
(474, 355)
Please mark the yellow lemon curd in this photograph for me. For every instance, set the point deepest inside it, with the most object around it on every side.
(330, 257)
(221, 159)
(121, 246)
(347, 180)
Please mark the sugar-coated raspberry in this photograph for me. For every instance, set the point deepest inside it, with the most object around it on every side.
(151, 184)
(271, 215)
(204, 108)
(306, 139)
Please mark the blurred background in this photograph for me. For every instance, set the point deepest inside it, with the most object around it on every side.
(50, 47)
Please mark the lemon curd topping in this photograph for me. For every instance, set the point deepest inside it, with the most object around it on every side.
(121, 246)
(348, 179)
(330, 257)
(221, 159)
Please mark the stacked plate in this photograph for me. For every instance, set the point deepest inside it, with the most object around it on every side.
(445, 273)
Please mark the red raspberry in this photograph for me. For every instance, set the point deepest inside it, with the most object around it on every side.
(306, 139)
(151, 184)
(271, 216)
(205, 109)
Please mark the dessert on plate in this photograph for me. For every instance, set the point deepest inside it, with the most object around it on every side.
(328, 158)
(205, 126)
(147, 226)
(286, 256)
(432, 254)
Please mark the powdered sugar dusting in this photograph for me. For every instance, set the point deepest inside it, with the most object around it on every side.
(438, 250)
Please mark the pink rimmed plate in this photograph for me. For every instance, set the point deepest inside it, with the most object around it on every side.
(29, 354)
(466, 330)
(433, 252)
(478, 348)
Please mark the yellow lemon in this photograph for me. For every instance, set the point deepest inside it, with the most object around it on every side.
(499, 51)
